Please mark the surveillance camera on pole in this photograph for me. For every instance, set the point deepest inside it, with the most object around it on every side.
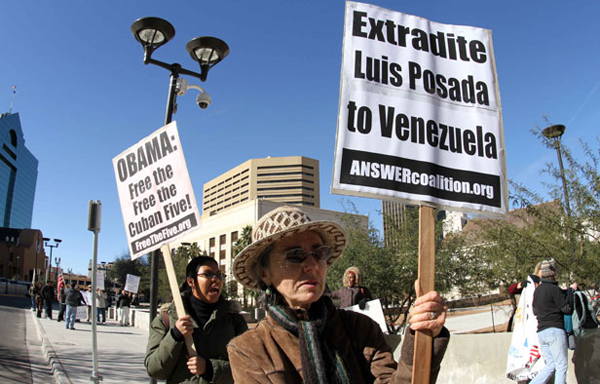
(203, 100)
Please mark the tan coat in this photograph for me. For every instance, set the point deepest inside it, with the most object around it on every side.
(270, 354)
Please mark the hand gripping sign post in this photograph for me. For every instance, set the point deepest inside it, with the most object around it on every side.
(419, 123)
(157, 200)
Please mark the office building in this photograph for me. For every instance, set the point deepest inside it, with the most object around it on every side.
(18, 174)
(22, 255)
(218, 234)
(394, 215)
(241, 196)
(287, 180)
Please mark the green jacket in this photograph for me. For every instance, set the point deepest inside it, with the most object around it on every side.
(165, 357)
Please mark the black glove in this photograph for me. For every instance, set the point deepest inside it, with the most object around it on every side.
(362, 303)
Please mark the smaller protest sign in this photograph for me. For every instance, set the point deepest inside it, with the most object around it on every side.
(374, 310)
(132, 283)
(87, 297)
(81, 312)
(100, 280)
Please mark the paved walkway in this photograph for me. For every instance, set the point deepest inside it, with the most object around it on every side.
(121, 351)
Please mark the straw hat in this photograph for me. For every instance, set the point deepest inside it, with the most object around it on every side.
(279, 224)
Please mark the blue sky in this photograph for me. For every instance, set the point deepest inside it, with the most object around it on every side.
(84, 94)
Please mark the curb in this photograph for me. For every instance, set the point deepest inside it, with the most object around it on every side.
(59, 373)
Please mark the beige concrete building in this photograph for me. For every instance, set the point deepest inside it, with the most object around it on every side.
(287, 180)
(240, 197)
(219, 233)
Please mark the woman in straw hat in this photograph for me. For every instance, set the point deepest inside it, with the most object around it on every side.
(304, 337)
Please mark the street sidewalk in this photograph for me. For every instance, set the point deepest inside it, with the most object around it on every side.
(121, 351)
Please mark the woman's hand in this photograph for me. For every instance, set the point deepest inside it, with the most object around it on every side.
(197, 365)
(185, 326)
(429, 313)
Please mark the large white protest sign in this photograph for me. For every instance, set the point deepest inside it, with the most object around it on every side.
(374, 310)
(419, 116)
(132, 283)
(155, 191)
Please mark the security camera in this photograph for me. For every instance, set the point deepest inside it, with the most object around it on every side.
(203, 100)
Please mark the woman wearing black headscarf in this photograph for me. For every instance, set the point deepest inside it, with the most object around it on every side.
(211, 320)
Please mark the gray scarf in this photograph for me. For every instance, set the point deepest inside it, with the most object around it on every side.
(320, 364)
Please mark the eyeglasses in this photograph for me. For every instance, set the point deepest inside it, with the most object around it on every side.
(210, 275)
(298, 255)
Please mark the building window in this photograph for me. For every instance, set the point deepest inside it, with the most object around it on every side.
(285, 173)
(211, 247)
(222, 247)
(285, 166)
(284, 181)
(13, 138)
(234, 239)
(283, 188)
(290, 195)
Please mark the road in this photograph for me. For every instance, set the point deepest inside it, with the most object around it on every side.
(21, 359)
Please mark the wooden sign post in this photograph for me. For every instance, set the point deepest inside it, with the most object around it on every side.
(425, 283)
(189, 340)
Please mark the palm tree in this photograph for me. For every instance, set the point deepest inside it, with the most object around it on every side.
(243, 241)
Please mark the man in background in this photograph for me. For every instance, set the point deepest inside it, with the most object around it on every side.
(48, 296)
(550, 304)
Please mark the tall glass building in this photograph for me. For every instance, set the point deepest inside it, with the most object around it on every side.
(18, 174)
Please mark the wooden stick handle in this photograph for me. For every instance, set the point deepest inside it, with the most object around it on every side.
(425, 283)
(189, 340)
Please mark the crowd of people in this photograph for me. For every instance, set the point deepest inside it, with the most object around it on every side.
(72, 296)
(308, 335)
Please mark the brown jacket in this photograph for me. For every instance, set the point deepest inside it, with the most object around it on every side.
(270, 354)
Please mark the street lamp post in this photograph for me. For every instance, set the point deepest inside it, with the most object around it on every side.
(554, 133)
(35, 278)
(52, 246)
(152, 33)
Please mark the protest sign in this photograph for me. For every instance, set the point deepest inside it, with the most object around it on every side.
(100, 280)
(374, 310)
(155, 191)
(82, 312)
(419, 116)
(87, 297)
(132, 282)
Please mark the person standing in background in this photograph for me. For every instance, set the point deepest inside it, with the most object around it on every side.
(550, 304)
(73, 299)
(37, 293)
(100, 305)
(48, 296)
(352, 292)
(123, 303)
(62, 296)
